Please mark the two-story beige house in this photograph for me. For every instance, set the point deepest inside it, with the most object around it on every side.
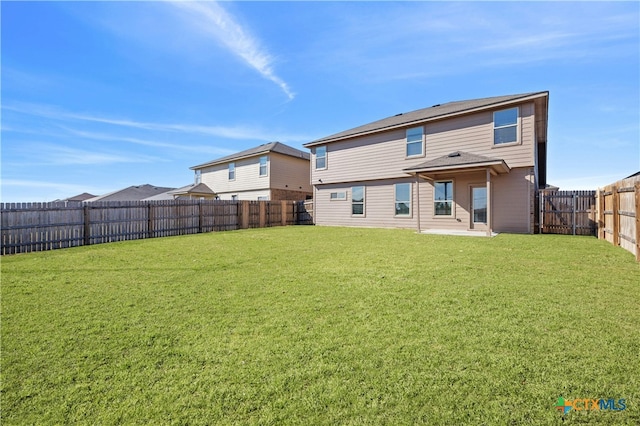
(272, 171)
(466, 165)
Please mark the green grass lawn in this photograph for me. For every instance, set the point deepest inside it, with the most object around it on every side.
(313, 325)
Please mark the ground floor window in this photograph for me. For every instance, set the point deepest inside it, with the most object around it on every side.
(357, 200)
(403, 199)
(443, 198)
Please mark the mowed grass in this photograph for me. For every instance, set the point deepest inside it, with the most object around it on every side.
(313, 325)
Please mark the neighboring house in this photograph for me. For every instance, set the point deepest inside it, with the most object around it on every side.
(195, 191)
(467, 165)
(132, 193)
(272, 171)
(77, 198)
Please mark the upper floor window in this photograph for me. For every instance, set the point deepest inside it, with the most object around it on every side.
(263, 165)
(357, 200)
(198, 176)
(443, 198)
(414, 141)
(321, 157)
(403, 199)
(232, 171)
(505, 126)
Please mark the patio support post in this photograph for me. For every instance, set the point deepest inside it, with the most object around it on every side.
(489, 230)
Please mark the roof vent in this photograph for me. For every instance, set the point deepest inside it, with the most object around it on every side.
(454, 154)
(398, 115)
(436, 105)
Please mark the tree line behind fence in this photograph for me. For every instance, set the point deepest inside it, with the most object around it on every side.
(28, 227)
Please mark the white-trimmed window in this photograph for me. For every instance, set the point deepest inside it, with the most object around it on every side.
(357, 200)
(263, 165)
(505, 126)
(443, 198)
(338, 196)
(234, 197)
(415, 139)
(403, 199)
(321, 157)
(263, 198)
(198, 177)
(232, 171)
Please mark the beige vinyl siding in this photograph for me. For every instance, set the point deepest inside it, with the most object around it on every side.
(246, 195)
(513, 196)
(474, 134)
(289, 173)
(382, 156)
(374, 157)
(247, 176)
(379, 205)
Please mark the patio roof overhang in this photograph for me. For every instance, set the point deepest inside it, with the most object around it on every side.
(458, 162)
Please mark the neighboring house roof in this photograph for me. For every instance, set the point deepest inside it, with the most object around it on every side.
(435, 112)
(80, 197)
(132, 193)
(459, 160)
(278, 147)
(199, 189)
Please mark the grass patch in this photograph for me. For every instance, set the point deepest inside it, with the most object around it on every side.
(313, 325)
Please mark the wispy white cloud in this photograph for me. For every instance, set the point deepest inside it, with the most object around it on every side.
(240, 132)
(57, 155)
(201, 149)
(215, 21)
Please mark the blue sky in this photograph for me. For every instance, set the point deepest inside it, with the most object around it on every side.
(98, 96)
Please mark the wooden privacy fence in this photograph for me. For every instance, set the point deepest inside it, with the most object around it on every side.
(28, 227)
(568, 212)
(619, 214)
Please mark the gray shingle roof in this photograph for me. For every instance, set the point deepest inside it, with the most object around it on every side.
(454, 159)
(278, 147)
(132, 193)
(426, 114)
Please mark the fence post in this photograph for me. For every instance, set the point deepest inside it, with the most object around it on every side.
(637, 212)
(575, 207)
(616, 216)
(600, 214)
(87, 225)
(541, 209)
(263, 213)
(283, 212)
(149, 220)
(200, 216)
(245, 214)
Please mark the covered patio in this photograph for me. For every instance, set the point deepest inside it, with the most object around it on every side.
(455, 163)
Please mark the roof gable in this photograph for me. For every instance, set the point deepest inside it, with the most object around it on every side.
(434, 112)
(266, 148)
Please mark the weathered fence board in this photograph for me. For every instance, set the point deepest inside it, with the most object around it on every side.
(27, 227)
(568, 212)
(619, 214)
